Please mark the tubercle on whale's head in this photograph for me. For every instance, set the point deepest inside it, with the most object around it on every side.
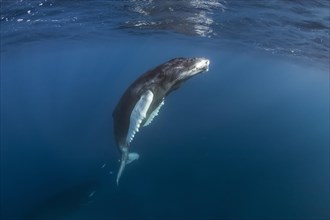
(196, 65)
(182, 69)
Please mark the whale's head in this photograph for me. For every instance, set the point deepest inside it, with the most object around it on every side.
(179, 70)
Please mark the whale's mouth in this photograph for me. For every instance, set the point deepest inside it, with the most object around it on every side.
(193, 67)
(202, 65)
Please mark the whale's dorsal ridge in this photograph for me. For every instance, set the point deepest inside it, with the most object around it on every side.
(138, 114)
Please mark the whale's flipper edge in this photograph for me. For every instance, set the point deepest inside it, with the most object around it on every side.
(153, 114)
(138, 114)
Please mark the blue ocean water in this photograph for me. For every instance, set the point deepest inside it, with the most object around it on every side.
(249, 139)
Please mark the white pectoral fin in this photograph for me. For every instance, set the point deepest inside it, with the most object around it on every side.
(153, 114)
(139, 114)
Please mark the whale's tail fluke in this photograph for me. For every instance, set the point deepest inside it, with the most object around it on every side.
(126, 158)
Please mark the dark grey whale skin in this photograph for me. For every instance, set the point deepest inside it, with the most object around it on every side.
(161, 80)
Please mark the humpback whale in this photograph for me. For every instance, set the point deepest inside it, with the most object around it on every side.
(142, 100)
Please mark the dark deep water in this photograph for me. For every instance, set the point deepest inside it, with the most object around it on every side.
(247, 140)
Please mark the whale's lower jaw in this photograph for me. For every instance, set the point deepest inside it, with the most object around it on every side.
(201, 65)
